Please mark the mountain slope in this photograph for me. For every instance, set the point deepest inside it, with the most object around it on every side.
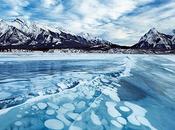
(154, 40)
(19, 34)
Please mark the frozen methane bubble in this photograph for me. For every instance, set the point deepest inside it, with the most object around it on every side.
(50, 112)
(74, 128)
(145, 122)
(42, 105)
(124, 109)
(18, 116)
(35, 107)
(18, 123)
(62, 117)
(112, 110)
(95, 104)
(62, 86)
(54, 124)
(95, 119)
(52, 105)
(26, 112)
(117, 124)
(112, 93)
(104, 80)
(121, 120)
(138, 115)
(137, 111)
(69, 106)
(72, 115)
(81, 104)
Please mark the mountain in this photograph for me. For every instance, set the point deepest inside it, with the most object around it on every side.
(27, 35)
(155, 40)
(20, 34)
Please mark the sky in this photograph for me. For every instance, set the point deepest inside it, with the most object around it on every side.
(119, 21)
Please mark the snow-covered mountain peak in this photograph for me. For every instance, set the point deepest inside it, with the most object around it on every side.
(153, 31)
(24, 34)
(154, 40)
(18, 23)
(21, 21)
(150, 36)
(89, 37)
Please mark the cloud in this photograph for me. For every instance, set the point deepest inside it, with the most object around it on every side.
(120, 21)
(161, 17)
(48, 3)
(16, 6)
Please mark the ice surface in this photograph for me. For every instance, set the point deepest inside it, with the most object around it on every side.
(4, 95)
(82, 92)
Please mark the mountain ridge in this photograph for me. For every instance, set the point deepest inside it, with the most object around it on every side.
(26, 35)
(19, 35)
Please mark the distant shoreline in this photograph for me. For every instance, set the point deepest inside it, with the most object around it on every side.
(110, 51)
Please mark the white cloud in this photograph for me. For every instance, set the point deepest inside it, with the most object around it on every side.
(49, 3)
(161, 17)
(94, 12)
(107, 18)
(16, 7)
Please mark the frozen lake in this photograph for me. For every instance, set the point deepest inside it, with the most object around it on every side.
(45, 91)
